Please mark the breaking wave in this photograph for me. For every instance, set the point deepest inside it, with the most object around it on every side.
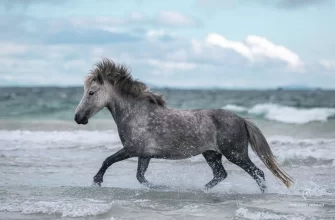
(285, 114)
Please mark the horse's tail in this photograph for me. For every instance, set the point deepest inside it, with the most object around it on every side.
(261, 147)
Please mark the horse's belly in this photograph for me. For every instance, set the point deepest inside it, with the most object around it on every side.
(177, 152)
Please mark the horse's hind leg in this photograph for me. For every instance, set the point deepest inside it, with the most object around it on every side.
(242, 160)
(214, 160)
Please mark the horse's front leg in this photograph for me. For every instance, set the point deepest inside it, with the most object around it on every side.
(118, 156)
(143, 163)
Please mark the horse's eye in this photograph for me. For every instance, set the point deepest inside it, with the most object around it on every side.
(91, 93)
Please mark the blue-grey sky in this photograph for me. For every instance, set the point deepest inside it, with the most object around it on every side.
(178, 43)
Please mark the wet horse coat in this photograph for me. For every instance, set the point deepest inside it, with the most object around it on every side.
(149, 129)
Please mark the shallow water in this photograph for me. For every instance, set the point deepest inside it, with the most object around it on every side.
(47, 163)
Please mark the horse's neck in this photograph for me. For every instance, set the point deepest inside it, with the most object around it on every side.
(124, 108)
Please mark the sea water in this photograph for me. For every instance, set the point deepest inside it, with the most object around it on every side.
(47, 161)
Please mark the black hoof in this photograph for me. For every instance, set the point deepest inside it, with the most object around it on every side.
(97, 180)
(263, 188)
(213, 183)
(262, 185)
(207, 188)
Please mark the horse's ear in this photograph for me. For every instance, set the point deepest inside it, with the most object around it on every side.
(100, 79)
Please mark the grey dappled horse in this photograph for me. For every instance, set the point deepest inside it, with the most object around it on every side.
(149, 129)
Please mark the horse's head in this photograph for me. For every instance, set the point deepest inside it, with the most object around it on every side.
(94, 99)
(106, 84)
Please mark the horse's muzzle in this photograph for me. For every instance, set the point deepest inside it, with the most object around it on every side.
(81, 120)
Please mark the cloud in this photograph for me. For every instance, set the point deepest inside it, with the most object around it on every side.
(12, 49)
(23, 4)
(282, 4)
(177, 19)
(173, 19)
(293, 4)
(105, 22)
(256, 48)
(160, 35)
(62, 51)
(154, 62)
(167, 19)
(217, 3)
(328, 64)
(90, 37)
(45, 65)
(98, 30)
(171, 65)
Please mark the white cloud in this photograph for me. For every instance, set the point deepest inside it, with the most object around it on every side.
(177, 19)
(196, 46)
(43, 65)
(239, 47)
(159, 34)
(256, 48)
(180, 62)
(102, 21)
(328, 64)
(263, 47)
(217, 3)
(163, 18)
(11, 48)
(171, 65)
(284, 4)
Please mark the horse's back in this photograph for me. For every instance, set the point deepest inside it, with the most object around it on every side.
(223, 121)
(227, 127)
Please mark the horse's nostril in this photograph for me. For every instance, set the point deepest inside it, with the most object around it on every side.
(76, 117)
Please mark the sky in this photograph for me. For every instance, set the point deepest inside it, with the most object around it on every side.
(231, 44)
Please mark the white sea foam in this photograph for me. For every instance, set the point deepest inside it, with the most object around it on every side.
(235, 108)
(77, 208)
(296, 151)
(285, 114)
(286, 149)
(13, 140)
(257, 215)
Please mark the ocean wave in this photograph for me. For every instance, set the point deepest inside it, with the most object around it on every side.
(288, 150)
(297, 150)
(285, 114)
(260, 215)
(77, 208)
(22, 139)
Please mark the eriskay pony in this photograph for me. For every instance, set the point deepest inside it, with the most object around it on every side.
(149, 129)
